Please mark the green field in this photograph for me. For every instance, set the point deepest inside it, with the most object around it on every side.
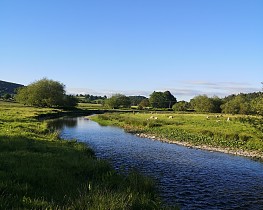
(38, 170)
(239, 133)
(89, 106)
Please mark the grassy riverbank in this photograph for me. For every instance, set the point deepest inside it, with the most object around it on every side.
(239, 134)
(40, 171)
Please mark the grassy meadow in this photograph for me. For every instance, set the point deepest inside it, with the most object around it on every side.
(230, 132)
(38, 170)
(90, 106)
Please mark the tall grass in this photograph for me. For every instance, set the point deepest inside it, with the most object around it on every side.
(239, 132)
(38, 170)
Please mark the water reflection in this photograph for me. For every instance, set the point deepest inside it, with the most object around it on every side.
(59, 124)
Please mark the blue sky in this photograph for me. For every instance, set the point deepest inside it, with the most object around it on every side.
(135, 47)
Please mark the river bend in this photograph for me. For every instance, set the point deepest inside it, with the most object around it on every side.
(191, 178)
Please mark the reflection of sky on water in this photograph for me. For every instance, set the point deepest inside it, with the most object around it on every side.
(195, 179)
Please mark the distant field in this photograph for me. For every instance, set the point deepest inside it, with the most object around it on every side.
(89, 106)
(216, 130)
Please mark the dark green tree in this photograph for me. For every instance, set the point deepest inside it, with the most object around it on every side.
(203, 103)
(118, 101)
(157, 100)
(181, 106)
(238, 105)
(217, 102)
(136, 100)
(170, 99)
(145, 103)
(70, 101)
(162, 99)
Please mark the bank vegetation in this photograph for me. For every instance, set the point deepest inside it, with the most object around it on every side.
(38, 170)
(235, 134)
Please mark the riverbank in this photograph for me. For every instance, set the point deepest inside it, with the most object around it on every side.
(38, 170)
(250, 154)
(236, 135)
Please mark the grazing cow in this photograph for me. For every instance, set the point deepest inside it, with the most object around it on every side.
(170, 117)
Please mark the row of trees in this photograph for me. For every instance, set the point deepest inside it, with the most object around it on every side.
(251, 103)
(49, 93)
(156, 100)
(88, 98)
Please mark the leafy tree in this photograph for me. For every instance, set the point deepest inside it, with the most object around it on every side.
(217, 102)
(203, 103)
(162, 99)
(44, 93)
(170, 99)
(145, 103)
(117, 101)
(257, 105)
(157, 100)
(238, 105)
(136, 100)
(70, 101)
(181, 106)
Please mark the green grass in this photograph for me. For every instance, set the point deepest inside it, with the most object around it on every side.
(241, 132)
(90, 106)
(38, 170)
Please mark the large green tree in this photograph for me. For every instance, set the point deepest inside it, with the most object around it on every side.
(203, 103)
(170, 99)
(45, 93)
(162, 99)
(136, 100)
(144, 103)
(181, 106)
(238, 105)
(118, 101)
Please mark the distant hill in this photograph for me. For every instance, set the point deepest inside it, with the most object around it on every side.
(8, 87)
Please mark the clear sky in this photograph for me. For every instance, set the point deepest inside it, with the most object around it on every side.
(135, 47)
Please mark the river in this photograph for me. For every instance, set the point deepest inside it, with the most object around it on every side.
(190, 178)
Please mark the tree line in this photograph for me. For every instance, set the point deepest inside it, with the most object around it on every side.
(50, 93)
(88, 98)
(249, 103)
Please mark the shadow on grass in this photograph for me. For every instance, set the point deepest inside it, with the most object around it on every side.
(39, 174)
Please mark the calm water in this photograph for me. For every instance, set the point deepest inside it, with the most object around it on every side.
(194, 179)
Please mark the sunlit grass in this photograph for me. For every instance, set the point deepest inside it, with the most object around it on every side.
(227, 131)
(38, 170)
(89, 106)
